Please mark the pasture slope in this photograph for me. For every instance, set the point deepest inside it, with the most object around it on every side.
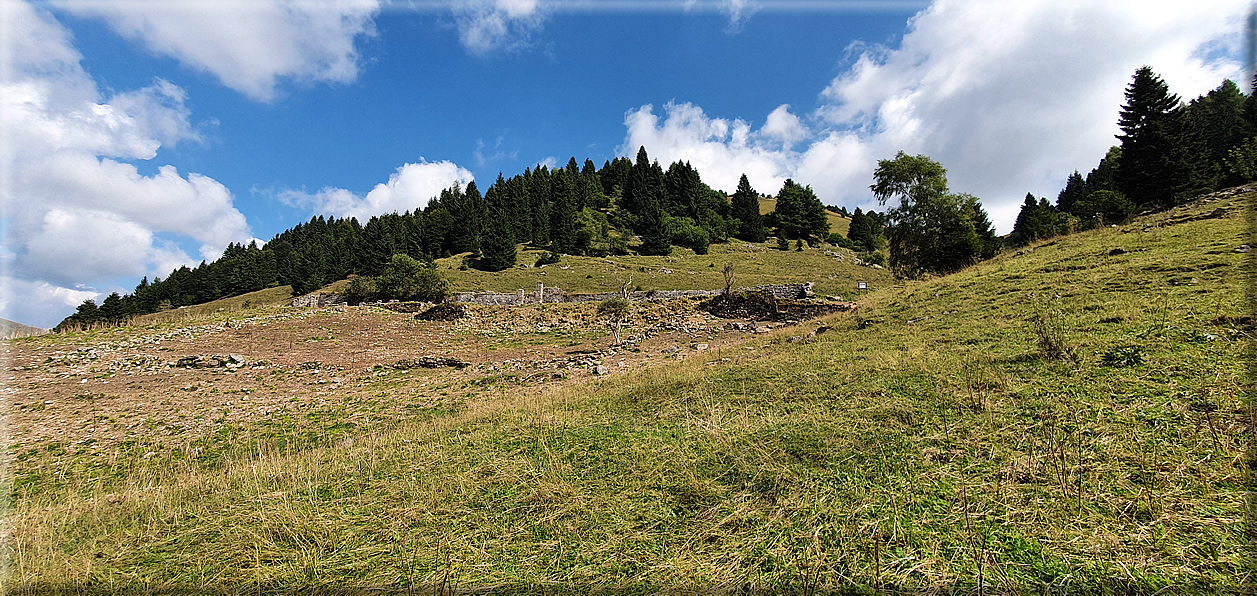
(1070, 418)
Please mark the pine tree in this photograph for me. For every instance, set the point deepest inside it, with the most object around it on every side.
(1148, 172)
(800, 215)
(498, 246)
(1036, 221)
(563, 225)
(1104, 175)
(745, 210)
(1075, 190)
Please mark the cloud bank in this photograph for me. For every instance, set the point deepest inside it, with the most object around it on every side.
(407, 189)
(247, 45)
(1009, 96)
(77, 214)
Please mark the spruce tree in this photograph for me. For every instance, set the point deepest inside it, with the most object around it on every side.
(498, 246)
(563, 225)
(645, 192)
(640, 188)
(745, 210)
(1219, 116)
(1104, 175)
(1148, 172)
(1036, 221)
(1075, 190)
(800, 215)
(861, 231)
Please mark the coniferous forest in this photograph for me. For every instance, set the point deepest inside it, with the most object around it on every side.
(1168, 152)
(573, 210)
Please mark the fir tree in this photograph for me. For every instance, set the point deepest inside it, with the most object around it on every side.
(1036, 221)
(800, 215)
(498, 246)
(1075, 190)
(745, 209)
(1148, 172)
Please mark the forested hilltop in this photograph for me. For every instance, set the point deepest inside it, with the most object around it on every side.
(1169, 152)
(571, 210)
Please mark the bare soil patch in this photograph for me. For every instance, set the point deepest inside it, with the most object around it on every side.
(290, 368)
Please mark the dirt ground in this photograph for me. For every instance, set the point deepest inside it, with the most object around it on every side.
(172, 384)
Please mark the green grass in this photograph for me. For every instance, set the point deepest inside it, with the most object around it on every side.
(688, 271)
(925, 442)
(277, 296)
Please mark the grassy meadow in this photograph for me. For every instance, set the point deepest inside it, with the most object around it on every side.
(1069, 418)
(835, 273)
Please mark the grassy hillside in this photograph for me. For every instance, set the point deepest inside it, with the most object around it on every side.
(1068, 419)
(12, 329)
(834, 274)
(277, 296)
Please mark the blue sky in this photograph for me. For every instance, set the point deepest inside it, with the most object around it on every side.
(139, 136)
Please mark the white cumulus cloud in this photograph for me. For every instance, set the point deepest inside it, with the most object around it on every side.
(248, 45)
(407, 189)
(78, 216)
(485, 26)
(1009, 96)
(39, 303)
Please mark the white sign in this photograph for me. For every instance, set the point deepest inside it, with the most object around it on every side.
(862, 285)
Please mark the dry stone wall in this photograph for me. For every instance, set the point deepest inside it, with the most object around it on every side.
(549, 295)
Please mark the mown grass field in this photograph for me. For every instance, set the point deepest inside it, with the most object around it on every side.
(1073, 418)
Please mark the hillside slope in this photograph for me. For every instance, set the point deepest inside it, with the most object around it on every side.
(1066, 418)
(12, 329)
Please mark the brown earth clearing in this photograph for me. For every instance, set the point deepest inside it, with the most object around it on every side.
(92, 391)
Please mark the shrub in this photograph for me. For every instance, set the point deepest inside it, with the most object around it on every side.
(407, 279)
(549, 258)
(360, 289)
(615, 311)
(1049, 329)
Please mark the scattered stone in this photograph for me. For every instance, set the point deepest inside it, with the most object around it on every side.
(700, 347)
(866, 323)
(601, 370)
(430, 362)
(671, 350)
(1243, 248)
(1118, 251)
(449, 311)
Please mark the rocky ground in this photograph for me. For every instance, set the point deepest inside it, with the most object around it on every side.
(288, 367)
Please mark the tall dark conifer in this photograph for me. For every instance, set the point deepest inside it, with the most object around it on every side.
(1075, 190)
(563, 223)
(1148, 173)
(745, 210)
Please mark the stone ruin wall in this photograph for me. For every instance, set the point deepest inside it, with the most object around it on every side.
(549, 295)
(317, 299)
(545, 294)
